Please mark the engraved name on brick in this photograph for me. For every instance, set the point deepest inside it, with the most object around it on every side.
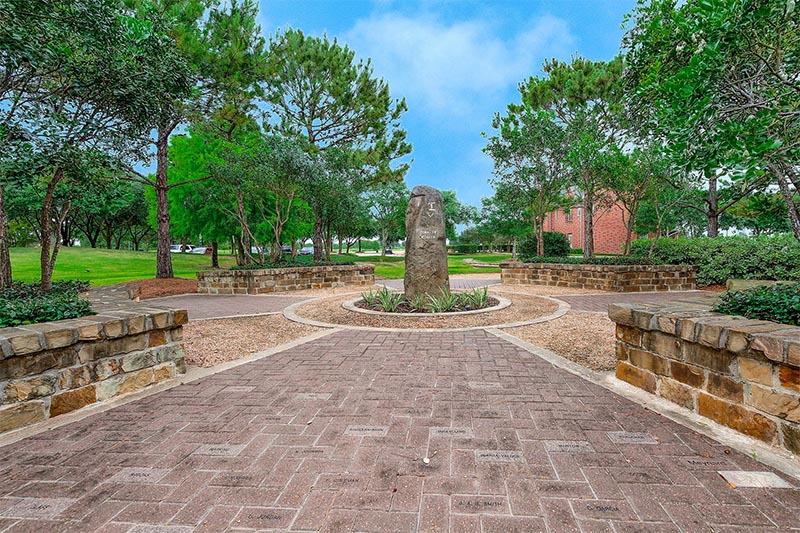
(498, 456)
(626, 437)
(366, 431)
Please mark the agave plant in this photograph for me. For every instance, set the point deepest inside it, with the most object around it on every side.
(479, 298)
(418, 302)
(446, 301)
(369, 298)
(388, 300)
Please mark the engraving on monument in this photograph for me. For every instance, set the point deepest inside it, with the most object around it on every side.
(426, 246)
(625, 437)
(568, 446)
(498, 456)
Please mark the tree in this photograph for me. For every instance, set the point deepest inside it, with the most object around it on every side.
(317, 90)
(717, 81)
(388, 203)
(529, 153)
(456, 213)
(585, 97)
(83, 104)
(762, 213)
(505, 218)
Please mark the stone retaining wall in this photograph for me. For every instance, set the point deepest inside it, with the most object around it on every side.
(744, 374)
(53, 368)
(271, 280)
(615, 278)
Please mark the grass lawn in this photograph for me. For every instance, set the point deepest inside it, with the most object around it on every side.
(107, 267)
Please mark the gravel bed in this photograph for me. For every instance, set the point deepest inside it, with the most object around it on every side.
(585, 338)
(330, 311)
(211, 342)
(545, 290)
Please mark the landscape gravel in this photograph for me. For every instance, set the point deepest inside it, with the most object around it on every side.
(585, 338)
(211, 342)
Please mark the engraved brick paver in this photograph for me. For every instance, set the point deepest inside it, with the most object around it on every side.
(385, 431)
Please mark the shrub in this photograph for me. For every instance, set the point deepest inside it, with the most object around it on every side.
(720, 258)
(576, 251)
(388, 300)
(444, 302)
(555, 245)
(599, 260)
(25, 303)
(779, 303)
(291, 264)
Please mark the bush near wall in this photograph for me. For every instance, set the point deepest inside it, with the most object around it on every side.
(778, 303)
(720, 258)
(598, 260)
(25, 303)
(555, 245)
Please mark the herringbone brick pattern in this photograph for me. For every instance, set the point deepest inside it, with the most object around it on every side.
(372, 431)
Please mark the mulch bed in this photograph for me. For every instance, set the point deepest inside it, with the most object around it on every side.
(160, 287)
(406, 307)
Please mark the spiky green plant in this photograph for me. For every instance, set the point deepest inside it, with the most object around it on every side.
(388, 300)
(369, 298)
(418, 302)
(443, 303)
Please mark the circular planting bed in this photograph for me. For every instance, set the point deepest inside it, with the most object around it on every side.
(358, 305)
(340, 311)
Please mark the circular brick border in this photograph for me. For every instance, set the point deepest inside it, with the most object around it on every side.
(350, 305)
(291, 314)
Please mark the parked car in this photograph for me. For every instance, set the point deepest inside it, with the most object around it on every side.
(178, 248)
(306, 250)
(203, 250)
(388, 250)
(286, 249)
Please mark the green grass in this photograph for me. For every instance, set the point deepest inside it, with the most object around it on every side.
(108, 267)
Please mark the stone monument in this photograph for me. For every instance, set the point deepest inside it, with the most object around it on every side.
(426, 245)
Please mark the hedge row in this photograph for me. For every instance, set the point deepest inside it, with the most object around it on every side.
(779, 303)
(721, 258)
(555, 245)
(25, 303)
(599, 260)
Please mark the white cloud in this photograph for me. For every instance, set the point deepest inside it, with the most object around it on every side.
(447, 68)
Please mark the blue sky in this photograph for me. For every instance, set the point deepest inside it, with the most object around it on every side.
(456, 63)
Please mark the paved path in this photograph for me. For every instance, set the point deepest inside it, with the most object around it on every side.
(599, 302)
(455, 284)
(332, 434)
(215, 306)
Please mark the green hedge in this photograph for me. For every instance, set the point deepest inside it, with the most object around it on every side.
(291, 264)
(779, 303)
(720, 258)
(599, 260)
(555, 245)
(25, 303)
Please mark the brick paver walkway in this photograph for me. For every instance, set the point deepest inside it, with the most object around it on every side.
(215, 306)
(333, 435)
(598, 303)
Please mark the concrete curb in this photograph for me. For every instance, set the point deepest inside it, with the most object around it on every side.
(778, 459)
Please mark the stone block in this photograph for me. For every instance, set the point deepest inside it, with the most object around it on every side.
(106, 368)
(789, 377)
(662, 344)
(161, 319)
(68, 401)
(29, 389)
(791, 437)
(21, 414)
(677, 392)
(771, 401)
(636, 376)
(136, 380)
(717, 360)
(648, 361)
(89, 330)
(23, 342)
(621, 350)
(630, 335)
(75, 377)
(137, 324)
(755, 371)
(737, 417)
(56, 335)
(738, 336)
(793, 352)
(137, 361)
(163, 372)
(725, 387)
(157, 338)
(176, 334)
(621, 314)
(180, 317)
(687, 374)
(38, 363)
(771, 346)
(107, 388)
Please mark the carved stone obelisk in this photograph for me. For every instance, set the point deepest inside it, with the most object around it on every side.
(426, 245)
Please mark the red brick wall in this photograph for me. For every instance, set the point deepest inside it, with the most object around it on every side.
(609, 228)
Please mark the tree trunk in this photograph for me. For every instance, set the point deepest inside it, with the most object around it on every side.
(786, 192)
(240, 257)
(340, 245)
(540, 239)
(163, 257)
(712, 213)
(46, 260)
(214, 254)
(318, 240)
(588, 227)
(5, 255)
(359, 245)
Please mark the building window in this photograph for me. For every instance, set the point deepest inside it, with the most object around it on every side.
(568, 214)
(569, 238)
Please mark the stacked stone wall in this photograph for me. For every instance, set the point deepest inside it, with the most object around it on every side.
(615, 278)
(54, 368)
(270, 280)
(742, 373)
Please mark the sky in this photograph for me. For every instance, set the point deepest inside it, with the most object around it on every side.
(456, 63)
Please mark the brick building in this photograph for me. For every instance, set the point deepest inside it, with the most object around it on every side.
(609, 227)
